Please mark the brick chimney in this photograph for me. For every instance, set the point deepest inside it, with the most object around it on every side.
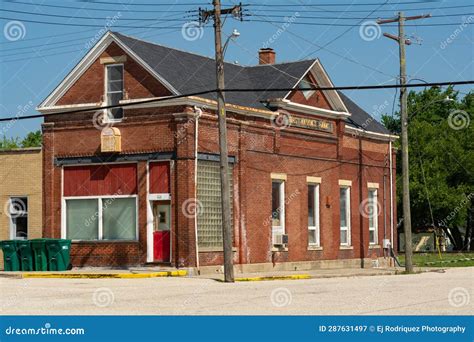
(266, 56)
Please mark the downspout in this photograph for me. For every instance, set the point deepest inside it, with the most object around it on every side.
(361, 218)
(391, 193)
(198, 112)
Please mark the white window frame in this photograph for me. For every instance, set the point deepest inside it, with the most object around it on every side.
(100, 236)
(12, 221)
(316, 211)
(281, 228)
(108, 118)
(375, 213)
(348, 215)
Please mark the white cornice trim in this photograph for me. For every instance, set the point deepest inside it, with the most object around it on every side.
(63, 108)
(323, 80)
(369, 134)
(301, 108)
(87, 61)
(183, 101)
(333, 97)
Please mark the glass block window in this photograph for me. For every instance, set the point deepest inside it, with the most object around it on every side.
(209, 196)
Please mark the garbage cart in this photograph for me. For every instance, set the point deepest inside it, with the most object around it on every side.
(11, 261)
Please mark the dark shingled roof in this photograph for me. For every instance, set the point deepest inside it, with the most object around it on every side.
(188, 73)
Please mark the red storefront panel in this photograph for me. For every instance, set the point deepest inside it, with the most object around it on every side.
(100, 180)
(159, 177)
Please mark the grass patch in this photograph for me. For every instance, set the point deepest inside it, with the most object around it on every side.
(446, 260)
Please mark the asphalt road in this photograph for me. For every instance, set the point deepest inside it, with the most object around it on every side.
(449, 293)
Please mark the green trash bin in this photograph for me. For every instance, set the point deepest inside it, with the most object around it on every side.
(40, 257)
(11, 260)
(58, 252)
(26, 255)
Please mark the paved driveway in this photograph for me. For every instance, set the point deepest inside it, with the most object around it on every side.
(448, 293)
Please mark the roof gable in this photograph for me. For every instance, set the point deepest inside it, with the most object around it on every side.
(85, 63)
(184, 72)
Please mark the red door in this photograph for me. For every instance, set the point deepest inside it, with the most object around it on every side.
(161, 231)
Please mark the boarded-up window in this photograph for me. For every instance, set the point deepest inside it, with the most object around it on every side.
(100, 180)
(209, 197)
(159, 177)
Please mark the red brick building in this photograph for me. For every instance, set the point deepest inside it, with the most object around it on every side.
(310, 170)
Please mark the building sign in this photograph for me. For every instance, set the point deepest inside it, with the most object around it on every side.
(321, 125)
(110, 140)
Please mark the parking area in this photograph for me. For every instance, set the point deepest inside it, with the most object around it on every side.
(448, 293)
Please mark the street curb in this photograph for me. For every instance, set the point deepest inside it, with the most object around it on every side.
(267, 278)
(162, 274)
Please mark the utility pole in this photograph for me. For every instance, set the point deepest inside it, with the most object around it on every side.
(402, 41)
(221, 113)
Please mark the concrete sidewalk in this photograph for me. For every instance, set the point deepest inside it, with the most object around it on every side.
(159, 272)
(310, 274)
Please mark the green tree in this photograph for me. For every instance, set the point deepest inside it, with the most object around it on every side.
(33, 139)
(8, 143)
(441, 162)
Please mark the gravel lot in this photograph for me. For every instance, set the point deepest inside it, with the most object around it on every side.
(431, 293)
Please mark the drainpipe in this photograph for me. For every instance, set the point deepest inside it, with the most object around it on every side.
(391, 193)
(198, 112)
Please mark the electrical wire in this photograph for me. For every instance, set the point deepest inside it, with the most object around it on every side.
(358, 24)
(232, 90)
(95, 9)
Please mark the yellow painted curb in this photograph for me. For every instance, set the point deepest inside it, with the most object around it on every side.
(180, 273)
(287, 277)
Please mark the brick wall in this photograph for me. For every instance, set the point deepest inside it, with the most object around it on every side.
(20, 175)
(260, 149)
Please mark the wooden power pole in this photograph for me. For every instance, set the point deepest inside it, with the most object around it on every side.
(402, 42)
(221, 113)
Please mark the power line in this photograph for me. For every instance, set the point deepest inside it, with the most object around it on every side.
(89, 18)
(96, 9)
(76, 50)
(367, 10)
(356, 25)
(145, 4)
(320, 47)
(358, 18)
(234, 90)
(86, 25)
(345, 4)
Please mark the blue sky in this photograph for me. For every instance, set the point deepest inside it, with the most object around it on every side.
(35, 57)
